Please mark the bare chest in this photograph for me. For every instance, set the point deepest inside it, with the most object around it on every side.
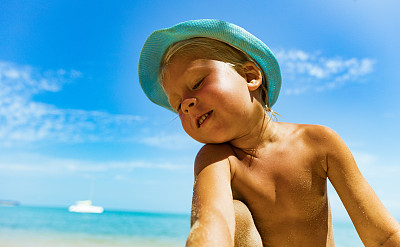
(286, 194)
(286, 184)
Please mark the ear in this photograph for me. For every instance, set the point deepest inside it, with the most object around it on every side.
(253, 75)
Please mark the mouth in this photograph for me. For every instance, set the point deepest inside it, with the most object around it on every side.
(203, 118)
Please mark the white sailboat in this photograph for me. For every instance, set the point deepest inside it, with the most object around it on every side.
(86, 205)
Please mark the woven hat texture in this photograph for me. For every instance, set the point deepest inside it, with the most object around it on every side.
(159, 41)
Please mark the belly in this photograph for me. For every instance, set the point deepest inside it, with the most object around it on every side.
(288, 229)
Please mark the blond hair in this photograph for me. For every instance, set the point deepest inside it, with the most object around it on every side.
(212, 49)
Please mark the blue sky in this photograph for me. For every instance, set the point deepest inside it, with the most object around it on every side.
(72, 112)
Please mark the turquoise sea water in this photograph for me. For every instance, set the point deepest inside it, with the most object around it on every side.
(40, 226)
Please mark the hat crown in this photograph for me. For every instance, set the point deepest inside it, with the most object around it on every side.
(159, 41)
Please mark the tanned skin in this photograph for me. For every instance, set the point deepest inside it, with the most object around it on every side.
(278, 170)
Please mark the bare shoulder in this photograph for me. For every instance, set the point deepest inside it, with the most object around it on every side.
(327, 142)
(325, 138)
(212, 154)
(310, 133)
(315, 132)
(315, 141)
(322, 138)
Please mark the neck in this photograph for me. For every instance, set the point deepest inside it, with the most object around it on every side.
(263, 133)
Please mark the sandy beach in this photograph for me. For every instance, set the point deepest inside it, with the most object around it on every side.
(17, 238)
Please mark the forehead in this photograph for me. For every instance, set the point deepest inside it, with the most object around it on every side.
(184, 63)
(184, 66)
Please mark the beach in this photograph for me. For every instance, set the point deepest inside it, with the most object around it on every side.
(34, 239)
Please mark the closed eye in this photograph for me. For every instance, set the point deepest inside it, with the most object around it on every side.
(197, 85)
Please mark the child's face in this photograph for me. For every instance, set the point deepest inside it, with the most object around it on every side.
(213, 101)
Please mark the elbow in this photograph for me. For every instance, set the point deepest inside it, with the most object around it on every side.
(194, 238)
(392, 240)
(207, 234)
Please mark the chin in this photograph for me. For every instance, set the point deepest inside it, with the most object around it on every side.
(208, 139)
(214, 140)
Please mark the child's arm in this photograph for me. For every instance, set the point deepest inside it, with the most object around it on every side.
(374, 224)
(213, 220)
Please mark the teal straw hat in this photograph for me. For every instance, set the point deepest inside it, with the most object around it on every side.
(159, 41)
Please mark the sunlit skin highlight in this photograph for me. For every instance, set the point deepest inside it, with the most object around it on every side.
(278, 170)
(196, 86)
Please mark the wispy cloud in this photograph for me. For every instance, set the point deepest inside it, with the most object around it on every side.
(39, 164)
(24, 120)
(375, 168)
(176, 141)
(312, 72)
(364, 159)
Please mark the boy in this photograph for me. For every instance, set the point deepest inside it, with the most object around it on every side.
(257, 182)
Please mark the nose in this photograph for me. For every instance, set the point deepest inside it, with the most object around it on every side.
(188, 104)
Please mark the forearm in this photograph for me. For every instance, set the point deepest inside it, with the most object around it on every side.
(210, 230)
(374, 224)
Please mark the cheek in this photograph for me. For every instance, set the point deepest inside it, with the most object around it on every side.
(189, 130)
(185, 123)
(219, 88)
(231, 93)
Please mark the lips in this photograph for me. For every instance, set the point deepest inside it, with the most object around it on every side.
(203, 118)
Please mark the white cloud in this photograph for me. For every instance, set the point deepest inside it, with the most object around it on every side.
(38, 164)
(170, 141)
(24, 120)
(304, 71)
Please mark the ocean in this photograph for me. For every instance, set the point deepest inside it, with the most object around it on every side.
(24, 226)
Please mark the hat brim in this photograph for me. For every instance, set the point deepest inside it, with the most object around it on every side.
(159, 41)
